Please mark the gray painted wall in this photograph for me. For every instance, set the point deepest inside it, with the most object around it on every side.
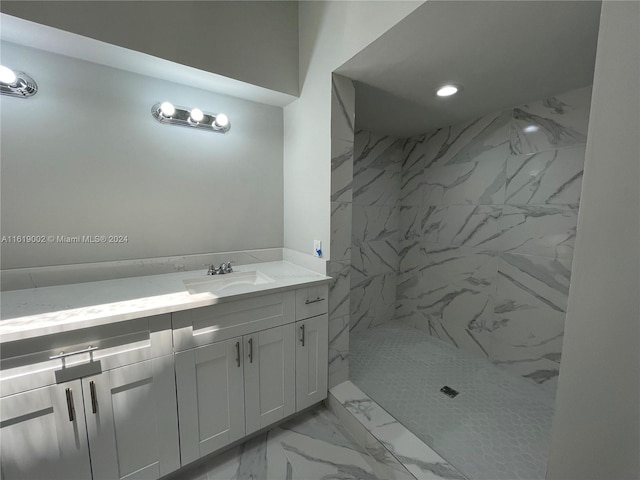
(330, 34)
(596, 431)
(85, 157)
(211, 36)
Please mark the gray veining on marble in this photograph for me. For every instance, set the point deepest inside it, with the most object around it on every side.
(372, 299)
(312, 446)
(555, 122)
(549, 177)
(341, 170)
(477, 231)
(470, 183)
(341, 218)
(343, 103)
(338, 350)
(367, 420)
(536, 230)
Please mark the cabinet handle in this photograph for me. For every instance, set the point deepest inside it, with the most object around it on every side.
(302, 334)
(70, 407)
(77, 352)
(251, 350)
(94, 397)
(308, 302)
(238, 353)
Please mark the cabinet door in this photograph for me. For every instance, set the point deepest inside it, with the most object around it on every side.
(132, 421)
(43, 434)
(312, 352)
(269, 376)
(210, 397)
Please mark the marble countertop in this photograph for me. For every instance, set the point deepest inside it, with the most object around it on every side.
(43, 311)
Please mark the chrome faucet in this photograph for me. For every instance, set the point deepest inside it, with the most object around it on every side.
(221, 270)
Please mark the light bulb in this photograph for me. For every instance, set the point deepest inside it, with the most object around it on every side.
(447, 90)
(196, 115)
(531, 128)
(167, 109)
(221, 120)
(7, 76)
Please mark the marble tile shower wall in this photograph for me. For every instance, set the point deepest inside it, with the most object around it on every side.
(343, 96)
(377, 169)
(487, 220)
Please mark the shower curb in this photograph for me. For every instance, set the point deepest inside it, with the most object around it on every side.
(386, 439)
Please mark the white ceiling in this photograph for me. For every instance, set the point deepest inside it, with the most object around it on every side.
(503, 53)
(35, 35)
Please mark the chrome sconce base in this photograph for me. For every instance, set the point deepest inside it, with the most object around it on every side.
(23, 87)
(182, 116)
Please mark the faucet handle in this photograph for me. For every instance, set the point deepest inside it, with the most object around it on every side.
(212, 268)
(226, 267)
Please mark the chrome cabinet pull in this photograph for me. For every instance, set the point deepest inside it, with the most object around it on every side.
(251, 350)
(70, 406)
(302, 334)
(309, 302)
(238, 353)
(94, 397)
(77, 352)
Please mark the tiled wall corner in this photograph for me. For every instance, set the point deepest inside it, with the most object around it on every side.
(339, 266)
(343, 108)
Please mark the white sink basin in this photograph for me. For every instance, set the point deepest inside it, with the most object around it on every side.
(218, 283)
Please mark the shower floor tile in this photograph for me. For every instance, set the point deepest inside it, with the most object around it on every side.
(498, 426)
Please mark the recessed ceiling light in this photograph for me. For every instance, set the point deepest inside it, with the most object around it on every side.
(448, 90)
(531, 128)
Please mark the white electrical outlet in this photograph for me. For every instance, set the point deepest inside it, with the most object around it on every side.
(317, 248)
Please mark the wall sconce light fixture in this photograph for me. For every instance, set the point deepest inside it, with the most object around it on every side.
(166, 112)
(16, 84)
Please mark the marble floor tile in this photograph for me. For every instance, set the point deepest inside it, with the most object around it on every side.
(312, 446)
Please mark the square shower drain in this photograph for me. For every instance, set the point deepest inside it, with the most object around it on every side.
(449, 392)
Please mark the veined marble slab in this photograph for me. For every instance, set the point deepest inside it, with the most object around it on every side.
(549, 177)
(417, 457)
(40, 311)
(556, 122)
(312, 446)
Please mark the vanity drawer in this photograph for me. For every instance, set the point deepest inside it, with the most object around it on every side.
(312, 301)
(26, 364)
(206, 325)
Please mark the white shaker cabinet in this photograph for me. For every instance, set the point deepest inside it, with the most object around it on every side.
(106, 409)
(210, 385)
(242, 380)
(131, 421)
(312, 360)
(269, 376)
(44, 435)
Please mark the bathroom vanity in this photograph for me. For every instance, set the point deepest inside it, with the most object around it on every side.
(135, 378)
